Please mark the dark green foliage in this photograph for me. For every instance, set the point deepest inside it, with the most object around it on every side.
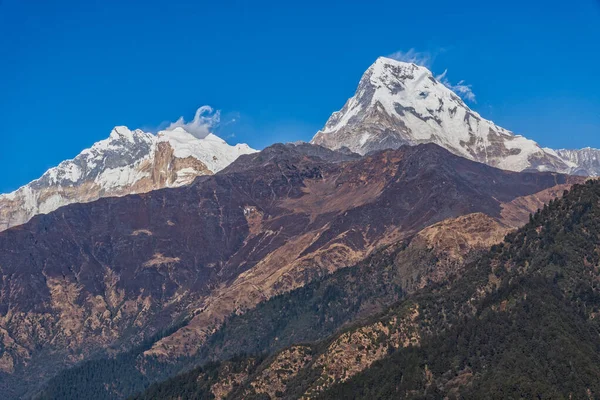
(313, 311)
(196, 384)
(106, 378)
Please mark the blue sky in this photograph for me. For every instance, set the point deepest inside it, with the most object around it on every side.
(71, 70)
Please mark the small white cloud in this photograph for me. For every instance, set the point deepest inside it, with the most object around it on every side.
(461, 88)
(204, 121)
(424, 59)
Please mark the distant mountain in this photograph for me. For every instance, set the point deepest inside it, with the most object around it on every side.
(400, 103)
(587, 160)
(124, 163)
(100, 277)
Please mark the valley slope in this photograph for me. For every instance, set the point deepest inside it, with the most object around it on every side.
(520, 322)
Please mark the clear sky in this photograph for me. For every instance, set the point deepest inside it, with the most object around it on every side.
(71, 70)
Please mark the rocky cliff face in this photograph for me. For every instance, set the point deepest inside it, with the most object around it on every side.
(126, 162)
(399, 103)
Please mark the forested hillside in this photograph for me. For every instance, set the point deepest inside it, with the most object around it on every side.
(307, 314)
(521, 322)
(531, 331)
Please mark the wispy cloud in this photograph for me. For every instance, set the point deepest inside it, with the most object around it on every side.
(424, 59)
(461, 88)
(204, 121)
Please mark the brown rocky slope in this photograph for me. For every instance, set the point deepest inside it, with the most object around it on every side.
(106, 274)
(522, 320)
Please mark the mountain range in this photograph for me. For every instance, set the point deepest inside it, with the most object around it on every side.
(130, 267)
(405, 237)
(396, 103)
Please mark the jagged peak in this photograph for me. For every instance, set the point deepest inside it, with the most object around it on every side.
(385, 69)
(381, 60)
(121, 131)
(400, 103)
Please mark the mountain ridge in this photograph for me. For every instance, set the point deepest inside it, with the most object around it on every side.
(406, 162)
(127, 162)
(396, 103)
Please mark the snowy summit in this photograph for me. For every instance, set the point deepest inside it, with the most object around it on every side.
(399, 103)
(126, 162)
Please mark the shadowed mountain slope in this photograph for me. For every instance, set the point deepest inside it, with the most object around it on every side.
(103, 276)
(521, 322)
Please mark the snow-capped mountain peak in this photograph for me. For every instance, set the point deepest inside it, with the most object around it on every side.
(585, 161)
(127, 161)
(119, 132)
(212, 150)
(399, 103)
